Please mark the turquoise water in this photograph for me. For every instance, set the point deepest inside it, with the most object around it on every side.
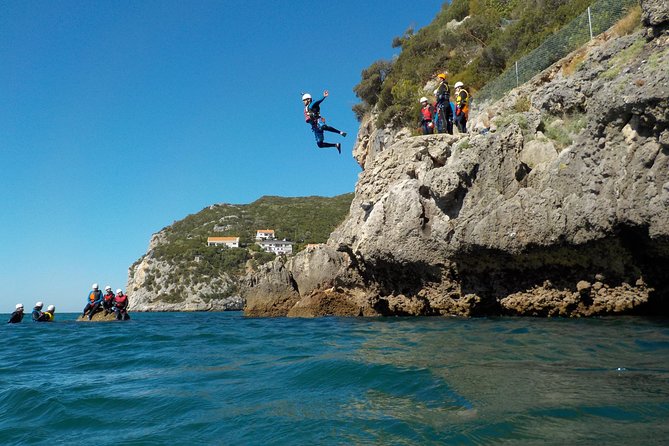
(219, 378)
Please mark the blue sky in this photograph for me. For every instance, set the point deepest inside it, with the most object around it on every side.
(118, 118)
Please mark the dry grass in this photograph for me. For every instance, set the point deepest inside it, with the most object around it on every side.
(629, 23)
(575, 62)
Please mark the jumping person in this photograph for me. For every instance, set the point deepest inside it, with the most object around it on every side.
(93, 301)
(426, 116)
(461, 107)
(312, 115)
(444, 113)
(17, 315)
(37, 311)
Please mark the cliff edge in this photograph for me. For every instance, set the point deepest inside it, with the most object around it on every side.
(556, 204)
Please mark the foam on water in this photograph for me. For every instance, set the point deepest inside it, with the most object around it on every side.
(220, 378)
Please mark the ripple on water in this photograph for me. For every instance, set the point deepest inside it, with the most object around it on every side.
(219, 378)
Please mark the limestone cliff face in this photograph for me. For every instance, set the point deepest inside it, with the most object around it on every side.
(150, 287)
(558, 206)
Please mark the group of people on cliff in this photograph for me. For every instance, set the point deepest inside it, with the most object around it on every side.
(438, 117)
(107, 302)
(37, 314)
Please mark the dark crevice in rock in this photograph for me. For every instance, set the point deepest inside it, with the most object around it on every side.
(402, 278)
(630, 257)
(293, 283)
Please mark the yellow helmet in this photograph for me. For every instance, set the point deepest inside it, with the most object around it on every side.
(441, 76)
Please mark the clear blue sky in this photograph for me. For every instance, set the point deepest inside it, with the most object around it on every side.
(118, 118)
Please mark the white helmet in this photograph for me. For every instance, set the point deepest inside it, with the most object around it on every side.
(19, 306)
(51, 308)
(119, 291)
(458, 84)
(107, 288)
(306, 96)
(423, 99)
(39, 305)
(94, 286)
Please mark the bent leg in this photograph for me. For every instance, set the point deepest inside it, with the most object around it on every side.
(329, 129)
(324, 145)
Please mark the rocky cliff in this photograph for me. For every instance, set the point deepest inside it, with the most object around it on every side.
(151, 287)
(179, 272)
(556, 204)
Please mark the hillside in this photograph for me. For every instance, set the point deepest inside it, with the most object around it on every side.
(471, 40)
(179, 272)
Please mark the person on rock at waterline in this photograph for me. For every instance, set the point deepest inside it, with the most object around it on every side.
(17, 315)
(108, 300)
(312, 115)
(37, 311)
(93, 302)
(121, 306)
(48, 315)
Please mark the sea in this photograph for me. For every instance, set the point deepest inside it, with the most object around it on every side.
(224, 379)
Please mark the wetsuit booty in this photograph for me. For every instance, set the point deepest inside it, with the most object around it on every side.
(343, 134)
(338, 148)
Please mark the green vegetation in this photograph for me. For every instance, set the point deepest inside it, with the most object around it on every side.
(562, 131)
(496, 34)
(301, 220)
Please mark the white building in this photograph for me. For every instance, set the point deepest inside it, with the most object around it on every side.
(230, 242)
(265, 234)
(276, 246)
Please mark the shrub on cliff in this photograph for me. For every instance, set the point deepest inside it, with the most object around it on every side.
(474, 51)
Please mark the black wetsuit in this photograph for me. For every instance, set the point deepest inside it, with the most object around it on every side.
(16, 317)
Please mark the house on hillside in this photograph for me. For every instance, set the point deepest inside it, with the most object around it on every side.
(230, 242)
(276, 246)
(265, 234)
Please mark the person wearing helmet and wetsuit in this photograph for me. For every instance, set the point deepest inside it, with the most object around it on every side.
(121, 306)
(48, 315)
(444, 112)
(108, 300)
(426, 116)
(37, 311)
(93, 302)
(17, 315)
(312, 115)
(461, 107)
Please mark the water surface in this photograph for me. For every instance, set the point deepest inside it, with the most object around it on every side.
(220, 378)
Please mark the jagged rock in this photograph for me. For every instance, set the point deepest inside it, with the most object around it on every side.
(655, 12)
(98, 317)
(501, 222)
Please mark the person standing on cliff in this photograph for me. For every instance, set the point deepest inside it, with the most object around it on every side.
(17, 315)
(93, 301)
(426, 116)
(461, 107)
(312, 115)
(444, 113)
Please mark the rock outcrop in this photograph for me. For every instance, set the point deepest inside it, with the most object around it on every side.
(151, 287)
(100, 316)
(560, 206)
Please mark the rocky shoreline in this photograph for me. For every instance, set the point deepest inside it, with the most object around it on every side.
(560, 207)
